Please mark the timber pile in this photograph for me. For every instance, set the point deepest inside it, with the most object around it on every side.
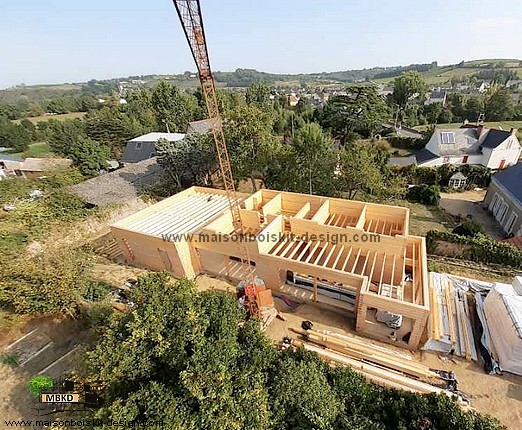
(450, 327)
(369, 353)
(383, 368)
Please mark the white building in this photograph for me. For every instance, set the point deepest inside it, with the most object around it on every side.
(477, 145)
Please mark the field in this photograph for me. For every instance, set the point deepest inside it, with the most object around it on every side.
(59, 117)
(36, 150)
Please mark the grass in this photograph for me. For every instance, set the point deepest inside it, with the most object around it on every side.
(59, 117)
(36, 150)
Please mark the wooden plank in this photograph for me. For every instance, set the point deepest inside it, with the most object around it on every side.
(329, 256)
(413, 274)
(334, 265)
(382, 269)
(320, 254)
(297, 248)
(404, 381)
(347, 258)
(450, 305)
(356, 260)
(313, 251)
(308, 245)
(373, 267)
(366, 353)
(315, 288)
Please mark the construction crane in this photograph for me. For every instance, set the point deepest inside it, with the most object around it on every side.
(189, 12)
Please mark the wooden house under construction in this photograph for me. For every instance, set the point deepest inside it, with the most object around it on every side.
(353, 255)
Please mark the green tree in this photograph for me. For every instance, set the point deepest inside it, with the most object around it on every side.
(112, 128)
(408, 86)
(191, 161)
(361, 111)
(248, 132)
(63, 134)
(170, 107)
(498, 105)
(40, 383)
(259, 95)
(473, 108)
(14, 136)
(89, 155)
(314, 163)
(358, 170)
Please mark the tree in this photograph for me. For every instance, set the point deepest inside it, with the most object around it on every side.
(358, 170)
(184, 355)
(191, 161)
(189, 358)
(170, 107)
(89, 155)
(259, 95)
(314, 162)
(408, 86)
(498, 105)
(473, 108)
(432, 112)
(63, 134)
(14, 136)
(248, 132)
(112, 128)
(360, 111)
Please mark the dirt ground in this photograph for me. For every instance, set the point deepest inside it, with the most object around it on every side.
(470, 203)
(64, 335)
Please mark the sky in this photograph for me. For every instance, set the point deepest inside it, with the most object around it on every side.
(56, 41)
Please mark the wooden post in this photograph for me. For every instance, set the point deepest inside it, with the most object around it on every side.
(315, 289)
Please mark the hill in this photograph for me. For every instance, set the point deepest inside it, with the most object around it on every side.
(432, 72)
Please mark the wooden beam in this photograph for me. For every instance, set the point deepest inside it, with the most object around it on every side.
(329, 255)
(313, 251)
(373, 267)
(315, 289)
(356, 260)
(382, 268)
(334, 265)
(347, 258)
(413, 274)
(308, 245)
(321, 253)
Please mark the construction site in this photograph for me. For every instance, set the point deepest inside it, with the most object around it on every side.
(355, 256)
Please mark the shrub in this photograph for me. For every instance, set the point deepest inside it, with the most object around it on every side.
(469, 228)
(40, 383)
(479, 248)
(8, 359)
(425, 194)
(96, 291)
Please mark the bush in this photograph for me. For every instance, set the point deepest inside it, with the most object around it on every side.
(8, 359)
(425, 194)
(479, 248)
(40, 383)
(469, 228)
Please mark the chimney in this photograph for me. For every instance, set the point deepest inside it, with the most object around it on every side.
(513, 131)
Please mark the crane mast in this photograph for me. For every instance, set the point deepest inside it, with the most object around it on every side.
(189, 12)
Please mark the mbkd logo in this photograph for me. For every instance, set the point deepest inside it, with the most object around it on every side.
(60, 398)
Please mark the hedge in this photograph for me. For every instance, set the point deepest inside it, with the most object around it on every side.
(480, 248)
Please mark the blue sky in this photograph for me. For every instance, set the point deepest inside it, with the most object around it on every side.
(57, 41)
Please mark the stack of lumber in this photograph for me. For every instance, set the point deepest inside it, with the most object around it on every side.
(385, 368)
(450, 328)
(369, 353)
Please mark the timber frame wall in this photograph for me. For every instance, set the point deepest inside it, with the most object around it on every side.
(362, 250)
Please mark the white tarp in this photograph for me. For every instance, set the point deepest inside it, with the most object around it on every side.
(503, 310)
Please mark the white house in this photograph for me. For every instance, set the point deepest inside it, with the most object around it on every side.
(471, 144)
